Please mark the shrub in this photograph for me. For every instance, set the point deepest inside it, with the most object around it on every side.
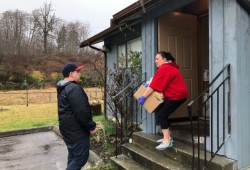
(14, 80)
(54, 78)
(38, 75)
(39, 79)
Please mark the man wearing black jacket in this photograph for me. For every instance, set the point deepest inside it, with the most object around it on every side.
(75, 118)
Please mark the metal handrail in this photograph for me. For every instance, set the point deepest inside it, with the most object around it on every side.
(216, 96)
(210, 84)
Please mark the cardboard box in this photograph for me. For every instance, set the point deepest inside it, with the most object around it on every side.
(152, 101)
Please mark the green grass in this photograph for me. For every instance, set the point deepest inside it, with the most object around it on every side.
(99, 118)
(109, 127)
(16, 117)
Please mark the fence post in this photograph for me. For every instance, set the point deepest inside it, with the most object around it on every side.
(49, 97)
(25, 84)
(27, 97)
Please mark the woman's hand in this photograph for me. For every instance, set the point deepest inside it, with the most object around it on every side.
(142, 100)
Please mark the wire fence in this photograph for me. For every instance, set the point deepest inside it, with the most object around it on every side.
(26, 97)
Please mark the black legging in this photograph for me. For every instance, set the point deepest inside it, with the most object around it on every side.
(165, 109)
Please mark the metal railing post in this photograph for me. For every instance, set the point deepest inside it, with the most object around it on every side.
(214, 109)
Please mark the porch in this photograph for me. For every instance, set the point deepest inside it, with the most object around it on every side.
(198, 139)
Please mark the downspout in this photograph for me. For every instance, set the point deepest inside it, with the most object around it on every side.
(105, 78)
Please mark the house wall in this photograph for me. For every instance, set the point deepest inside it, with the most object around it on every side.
(243, 82)
(229, 36)
(149, 48)
(148, 32)
(229, 39)
(122, 36)
(113, 41)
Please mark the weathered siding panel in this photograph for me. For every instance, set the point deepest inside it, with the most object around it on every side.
(229, 40)
(243, 82)
(148, 53)
(222, 51)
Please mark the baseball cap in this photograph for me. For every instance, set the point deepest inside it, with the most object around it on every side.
(69, 67)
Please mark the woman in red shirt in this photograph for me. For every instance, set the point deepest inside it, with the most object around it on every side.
(169, 81)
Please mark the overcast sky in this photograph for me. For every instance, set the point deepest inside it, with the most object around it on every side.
(95, 12)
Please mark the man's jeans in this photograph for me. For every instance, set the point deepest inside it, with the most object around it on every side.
(78, 154)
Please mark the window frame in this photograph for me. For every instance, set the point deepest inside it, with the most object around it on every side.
(126, 46)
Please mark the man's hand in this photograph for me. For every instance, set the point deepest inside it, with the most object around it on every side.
(141, 100)
(92, 132)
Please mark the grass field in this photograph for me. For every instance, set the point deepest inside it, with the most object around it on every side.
(41, 109)
(15, 117)
(37, 96)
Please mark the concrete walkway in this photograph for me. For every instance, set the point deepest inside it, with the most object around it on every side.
(41, 151)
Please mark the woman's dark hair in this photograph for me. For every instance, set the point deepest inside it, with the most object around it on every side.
(167, 55)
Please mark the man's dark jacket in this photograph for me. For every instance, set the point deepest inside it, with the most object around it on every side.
(74, 112)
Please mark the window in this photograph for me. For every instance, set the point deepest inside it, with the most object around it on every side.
(129, 54)
(122, 53)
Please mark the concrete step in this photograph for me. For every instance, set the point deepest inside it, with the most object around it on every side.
(150, 158)
(124, 162)
(181, 151)
(182, 130)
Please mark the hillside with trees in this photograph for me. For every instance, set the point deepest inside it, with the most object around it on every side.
(34, 47)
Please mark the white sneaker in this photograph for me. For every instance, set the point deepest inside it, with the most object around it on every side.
(163, 146)
(159, 141)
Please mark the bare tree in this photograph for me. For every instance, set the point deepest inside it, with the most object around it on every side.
(7, 30)
(70, 35)
(20, 19)
(73, 38)
(84, 31)
(61, 38)
(45, 21)
(32, 36)
(13, 27)
(28, 35)
(77, 32)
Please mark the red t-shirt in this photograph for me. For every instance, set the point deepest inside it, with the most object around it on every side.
(170, 82)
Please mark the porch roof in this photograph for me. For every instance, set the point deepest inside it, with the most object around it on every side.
(128, 16)
(100, 36)
(245, 4)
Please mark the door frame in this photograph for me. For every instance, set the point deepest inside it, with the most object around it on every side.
(202, 54)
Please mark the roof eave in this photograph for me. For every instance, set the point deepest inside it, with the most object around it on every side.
(123, 17)
(100, 36)
(245, 4)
